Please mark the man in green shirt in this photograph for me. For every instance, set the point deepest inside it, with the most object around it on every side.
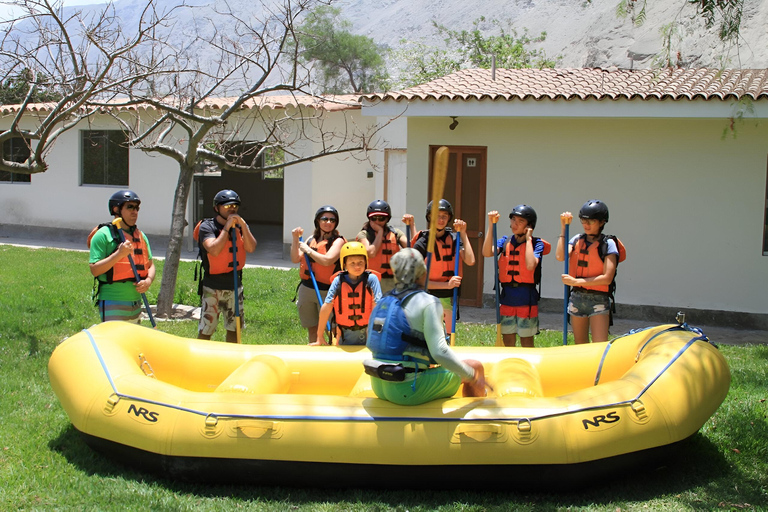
(119, 294)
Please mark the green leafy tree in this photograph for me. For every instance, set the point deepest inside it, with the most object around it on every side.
(16, 88)
(489, 39)
(345, 62)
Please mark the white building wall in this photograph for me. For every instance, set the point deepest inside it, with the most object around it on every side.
(347, 181)
(688, 204)
(55, 198)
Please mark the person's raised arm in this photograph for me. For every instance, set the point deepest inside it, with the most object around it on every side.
(562, 243)
(488, 249)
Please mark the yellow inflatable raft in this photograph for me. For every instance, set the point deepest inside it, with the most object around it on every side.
(299, 415)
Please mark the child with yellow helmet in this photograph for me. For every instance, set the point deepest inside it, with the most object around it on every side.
(354, 292)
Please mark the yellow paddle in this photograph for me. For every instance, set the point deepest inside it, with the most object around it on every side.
(439, 173)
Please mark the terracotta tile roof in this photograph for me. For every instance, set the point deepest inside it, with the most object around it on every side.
(329, 104)
(584, 83)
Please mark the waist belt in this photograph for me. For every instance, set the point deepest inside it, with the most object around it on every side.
(393, 372)
(320, 286)
(586, 290)
(353, 327)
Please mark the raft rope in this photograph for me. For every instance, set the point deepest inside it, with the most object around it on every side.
(420, 419)
(682, 327)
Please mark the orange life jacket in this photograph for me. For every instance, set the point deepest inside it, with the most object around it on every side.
(588, 261)
(222, 263)
(380, 262)
(353, 303)
(122, 270)
(512, 267)
(323, 274)
(443, 263)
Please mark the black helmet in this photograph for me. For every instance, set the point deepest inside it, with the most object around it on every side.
(442, 206)
(121, 197)
(379, 207)
(225, 197)
(594, 209)
(526, 212)
(326, 209)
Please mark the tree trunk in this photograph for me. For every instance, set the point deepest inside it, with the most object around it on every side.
(175, 241)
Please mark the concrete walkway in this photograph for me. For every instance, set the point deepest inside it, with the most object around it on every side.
(269, 254)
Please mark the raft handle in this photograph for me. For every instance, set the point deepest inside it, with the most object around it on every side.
(142, 363)
(479, 433)
(112, 401)
(639, 409)
(524, 426)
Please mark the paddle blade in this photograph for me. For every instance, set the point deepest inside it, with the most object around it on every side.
(439, 173)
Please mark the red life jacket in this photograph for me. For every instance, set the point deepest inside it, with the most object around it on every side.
(512, 267)
(588, 261)
(353, 303)
(323, 274)
(380, 262)
(222, 263)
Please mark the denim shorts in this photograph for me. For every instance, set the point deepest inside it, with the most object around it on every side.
(586, 304)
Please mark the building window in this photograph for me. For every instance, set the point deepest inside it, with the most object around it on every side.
(15, 149)
(246, 153)
(104, 157)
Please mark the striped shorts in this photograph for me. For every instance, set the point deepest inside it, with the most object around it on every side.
(125, 310)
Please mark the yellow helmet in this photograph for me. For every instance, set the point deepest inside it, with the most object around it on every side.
(353, 249)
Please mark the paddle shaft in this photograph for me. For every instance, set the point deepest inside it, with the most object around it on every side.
(497, 285)
(455, 290)
(119, 223)
(317, 289)
(565, 291)
(233, 239)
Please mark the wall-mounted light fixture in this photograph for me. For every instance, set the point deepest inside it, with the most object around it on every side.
(454, 124)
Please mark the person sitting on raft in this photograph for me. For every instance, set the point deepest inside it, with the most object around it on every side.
(424, 367)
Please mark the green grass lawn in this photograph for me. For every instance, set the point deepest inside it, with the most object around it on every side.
(44, 465)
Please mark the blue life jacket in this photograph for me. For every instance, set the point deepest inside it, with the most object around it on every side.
(389, 333)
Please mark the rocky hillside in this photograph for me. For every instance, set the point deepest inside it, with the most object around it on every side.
(583, 34)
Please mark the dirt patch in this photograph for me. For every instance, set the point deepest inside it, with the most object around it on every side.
(179, 312)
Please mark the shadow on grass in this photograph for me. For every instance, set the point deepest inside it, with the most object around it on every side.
(693, 472)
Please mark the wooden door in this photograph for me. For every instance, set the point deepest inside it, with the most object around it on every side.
(465, 190)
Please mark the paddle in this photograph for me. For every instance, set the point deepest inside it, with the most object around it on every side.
(455, 290)
(233, 239)
(565, 292)
(118, 222)
(317, 290)
(497, 285)
(439, 173)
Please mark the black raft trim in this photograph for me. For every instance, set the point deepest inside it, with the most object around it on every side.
(502, 477)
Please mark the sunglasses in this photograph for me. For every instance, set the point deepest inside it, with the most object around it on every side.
(378, 218)
(327, 219)
(132, 207)
(231, 205)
